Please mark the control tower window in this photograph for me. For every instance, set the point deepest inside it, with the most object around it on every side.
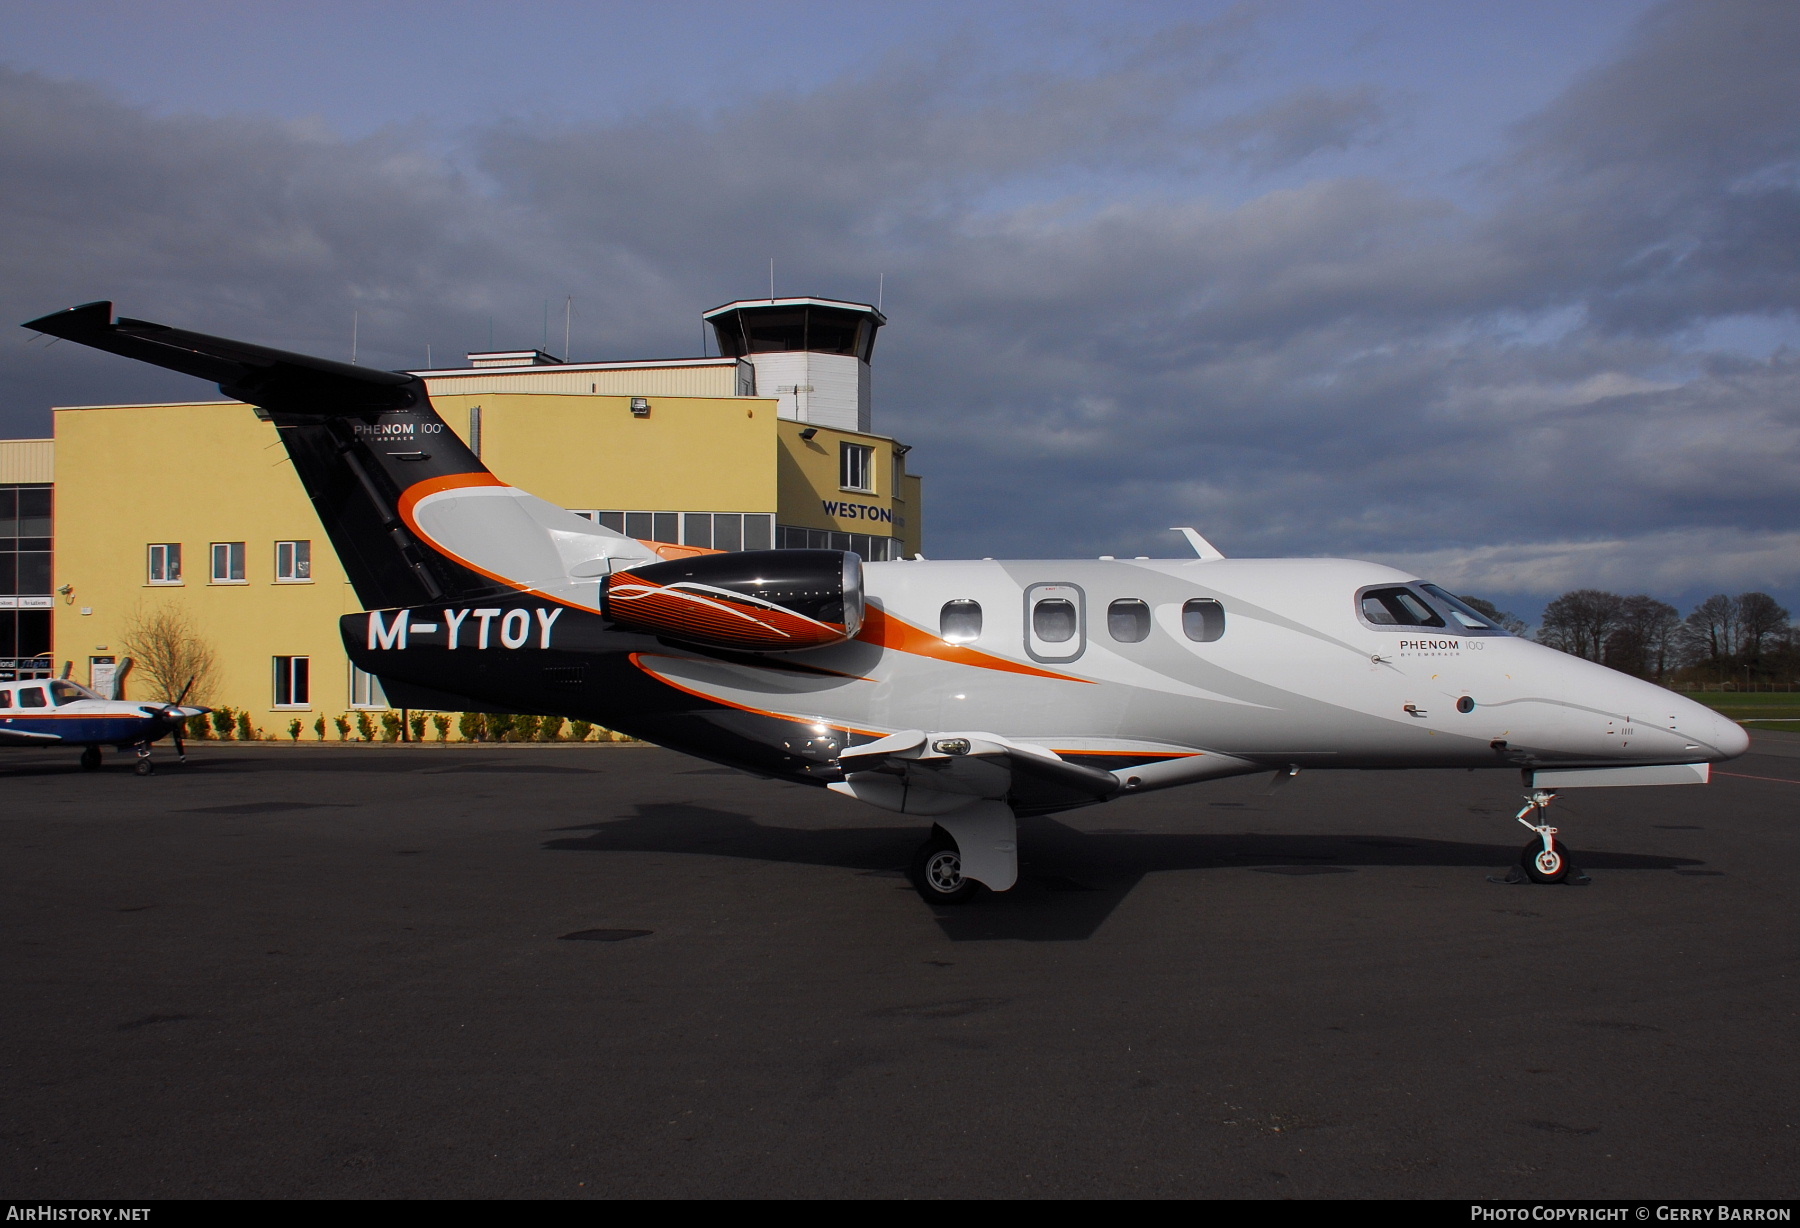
(781, 328)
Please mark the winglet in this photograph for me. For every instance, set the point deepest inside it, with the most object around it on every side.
(1202, 547)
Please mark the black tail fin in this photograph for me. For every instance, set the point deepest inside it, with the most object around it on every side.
(360, 439)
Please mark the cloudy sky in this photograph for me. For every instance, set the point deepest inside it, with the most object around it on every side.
(1505, 293)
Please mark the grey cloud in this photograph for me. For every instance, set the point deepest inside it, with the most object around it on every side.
(1508, 393)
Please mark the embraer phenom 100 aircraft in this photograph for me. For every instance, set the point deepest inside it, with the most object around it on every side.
(969, 693)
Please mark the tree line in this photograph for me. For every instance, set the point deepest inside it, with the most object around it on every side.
(1747, 638)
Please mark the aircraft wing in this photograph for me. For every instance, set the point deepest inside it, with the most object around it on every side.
(914, 772)
(24, 737)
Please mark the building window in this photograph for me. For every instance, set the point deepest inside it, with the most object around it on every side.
(228, 563)
(293, 562)
(165, 563)
(856, 467)
(365, 690)
(293, 682)
(708, 530)
(475, 430)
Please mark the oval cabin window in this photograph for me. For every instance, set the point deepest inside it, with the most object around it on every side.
(960, 621)
(1202, 620)
(1128, 621)
(1053, 620)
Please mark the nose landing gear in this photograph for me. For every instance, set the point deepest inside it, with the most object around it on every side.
(1544, 859)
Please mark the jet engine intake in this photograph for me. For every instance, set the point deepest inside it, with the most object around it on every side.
(751, 600)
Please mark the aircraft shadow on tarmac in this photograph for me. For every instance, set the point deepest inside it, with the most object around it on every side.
(1069, 881)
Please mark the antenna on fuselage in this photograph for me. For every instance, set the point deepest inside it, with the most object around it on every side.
(1202, 547)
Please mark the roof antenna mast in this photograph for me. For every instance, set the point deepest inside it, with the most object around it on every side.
(771, 279)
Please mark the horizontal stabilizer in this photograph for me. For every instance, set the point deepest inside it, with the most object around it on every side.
(274, 379)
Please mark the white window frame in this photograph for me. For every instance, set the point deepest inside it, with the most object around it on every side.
(166, 550)
(846, 469)
(243, 562)
(373, 699)
(297, 570)
(285, 665)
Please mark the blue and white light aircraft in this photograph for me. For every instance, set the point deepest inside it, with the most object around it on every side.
(966, 693)
(56, 712)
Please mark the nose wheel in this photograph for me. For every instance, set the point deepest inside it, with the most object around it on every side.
(1544, 858)
(143, 766)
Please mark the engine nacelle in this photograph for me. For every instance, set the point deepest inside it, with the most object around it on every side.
(751, 600)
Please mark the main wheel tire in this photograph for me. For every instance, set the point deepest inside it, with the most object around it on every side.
(143, 767)
(90, 759)
(937, 871)
(1546, 867)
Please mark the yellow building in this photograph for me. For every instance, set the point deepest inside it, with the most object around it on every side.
(194, 505)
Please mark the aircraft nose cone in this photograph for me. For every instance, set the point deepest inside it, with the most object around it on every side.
(1731, 738)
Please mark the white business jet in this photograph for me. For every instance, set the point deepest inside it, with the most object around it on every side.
(969, 693)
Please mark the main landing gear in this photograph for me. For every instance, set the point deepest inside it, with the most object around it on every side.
(90, 759)
(937, 871)
(1544, 859)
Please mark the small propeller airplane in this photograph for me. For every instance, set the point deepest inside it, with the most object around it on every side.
(968, 692)
(57, 712)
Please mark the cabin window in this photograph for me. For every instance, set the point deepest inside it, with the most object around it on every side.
(33, 697)
(1128, 621)
(959, 622)
(228, 563)
(856, 467)
(293, 562)
(1398, 607)
(165, 563)
(1054, 620)
(1202, 620)
(5, 699)
(293, 682)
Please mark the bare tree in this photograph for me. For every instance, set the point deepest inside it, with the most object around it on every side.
(1580, 622)
(170, 652)
(1644, 641)
(1759, 616)
(1710, 633)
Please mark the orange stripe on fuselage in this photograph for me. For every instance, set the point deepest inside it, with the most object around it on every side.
(888, 631)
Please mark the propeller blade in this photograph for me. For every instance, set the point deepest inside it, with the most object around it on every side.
(182, 698)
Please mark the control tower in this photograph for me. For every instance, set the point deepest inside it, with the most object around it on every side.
(812, 354)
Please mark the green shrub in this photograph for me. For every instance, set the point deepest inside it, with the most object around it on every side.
(441, 723)
(390, 726)
(525, 728)
(472, 726)
(197, 730)
(499, 727)
(319, 728)
(294, 729)
(579, 730)
(418, 726)
(244, 732)
(365, 725)
(343, 727)
(221, 723)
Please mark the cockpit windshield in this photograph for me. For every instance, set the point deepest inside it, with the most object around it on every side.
(1468, 616)
(62, 691)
